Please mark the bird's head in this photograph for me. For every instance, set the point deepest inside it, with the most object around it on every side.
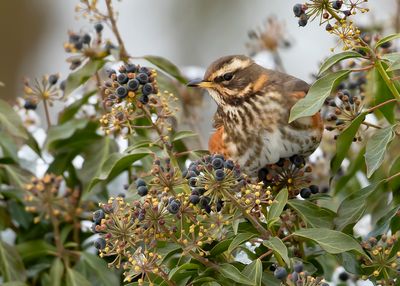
(230, 79)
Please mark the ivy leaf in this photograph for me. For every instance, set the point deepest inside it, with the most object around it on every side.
(10, 121)
(376, 148)
(220, 247)
(331, 241)
(35, 248)
(343, 142)
(328, 63)
(312, 214)
(11, 265)
(255, 271)
(240, 239)
(178, 269)
(383, 224)
(8, 147)
(82, 75)
(74, 278)
(353, 206)
(316, 96)
(69, 112)
(116, 163)
(64, 131)
(99, 268)
(56, 272)
(277, 205)
(387, 39)
(183, 134)
(278, 247)
(166, 66)
(231, 272)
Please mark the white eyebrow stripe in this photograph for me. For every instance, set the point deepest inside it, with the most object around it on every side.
(232, 66)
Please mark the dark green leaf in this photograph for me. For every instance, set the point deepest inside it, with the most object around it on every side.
(316, 96)
(387, 39)
(331, 241)
(312, 214)
(240, 239)
(99, 268)
(394, 169)
(70, 111)
(117, 163)
(182, 134)
(383, 224)
(344, 141)
(353, 207)
(8, 147)
(181, 268)
(64, 131)
(220, 247)
(376, 148)
(14, 284)
(277, 205)
(254, 270)
(74, 278)
(82, 75)
(10, 121)
(166, 66)
(268, 279)
(356, 164)
(56, 272)
(278, 247)
(35, 249)
(231, 272)
(11, 266)
(331, 61)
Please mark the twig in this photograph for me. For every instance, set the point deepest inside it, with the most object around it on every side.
(46, 110)
(122, 51)
(371, 125)
(381, 104)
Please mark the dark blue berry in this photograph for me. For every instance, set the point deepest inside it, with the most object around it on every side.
(298, 10)
(303, 20)
(314, 189)
(98, 27)
(144, 70)
(217, 163)
(337, 4)
(74, 38)
(122, 78)
(141, 216)
(122, 92)
(144, 99)
(130, 68)
(281, 162)
(298, 267)
(110, 72)
(344, 276)
(78, 45)
(100, 243)
(262, 174)
(133, 84)
(219, 174)
(191, 174)
(86, 39)
(305, 193)
(347, 13)
(280, 273)
(142, 191)
(142, 78)
(194, 199)
(53, 79)
(62, 85)
(297, 160)
(140, 182)
(220, 204)
(193, 182)
(219, 156)
(29, 105)
(204, 201)
(174, 206)
(147, 89)
(272, 267)
(386, 45)
(295, 276)
(229, 164)
(98, 216)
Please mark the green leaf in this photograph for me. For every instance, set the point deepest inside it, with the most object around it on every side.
(356, 164)
(383, 224)
(64, 131)
(10, 121)
(82, 75)
(116, 163)
(74, 278)
(387, 39)
(35, 249)
(277, 205)
(254, 270)
(220, 247)
(316, 96)
(11, 265)
(312, 214)
(8, 147)
(56, 272)
(394, 169)
(182, 134)
(240, 239)
(278, 247)
(231, 272)
(331, 241)
(353, 207)
(343, 142)
(99, 268)
(328, 63)
(376, 148)
(166, 66)
(14, 283)
(69, 112)
(178, 269)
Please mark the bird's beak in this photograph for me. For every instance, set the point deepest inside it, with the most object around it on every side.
(200, 83)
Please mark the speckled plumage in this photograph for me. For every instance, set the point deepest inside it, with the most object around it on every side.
(253, 110)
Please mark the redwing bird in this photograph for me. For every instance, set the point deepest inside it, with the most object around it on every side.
(251, 121)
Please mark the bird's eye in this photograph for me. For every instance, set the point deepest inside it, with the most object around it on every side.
(228, 76)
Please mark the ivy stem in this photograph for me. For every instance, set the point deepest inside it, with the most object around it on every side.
(122, 51)
(386, 78)
(392, 177)
(371, 125)
(46, 110)
(380, 105)
(252, 220)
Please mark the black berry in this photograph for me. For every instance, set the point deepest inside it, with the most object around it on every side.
(130, 68)
(229, 164)
(98, 216)
(344, 276)
(337, 4)
(142, 191)
(193, 182)
(298, 10)
(298, 267)
(144, 99)
(133, 84)
(173, 206)
(100, 243)
(194, 199)
(142, 78)
(217, 163)
(305, 193)
(297, 160)
(98, 27)
(122, 78)
(144, 70)
(280, 273)
(140, 182)
(86, 39)
(303, 20)
(53, 79)
(122, 92)
(29, 105)
(147, 89)
(314, 189)
(219, 174)
(386, 45)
